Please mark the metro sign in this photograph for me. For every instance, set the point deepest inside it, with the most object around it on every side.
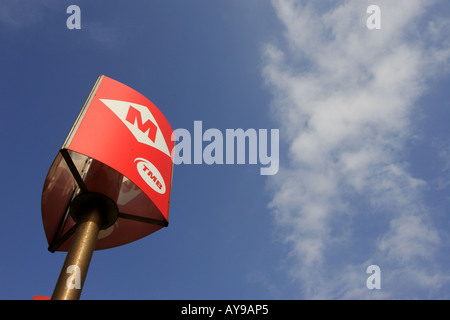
(119, 146)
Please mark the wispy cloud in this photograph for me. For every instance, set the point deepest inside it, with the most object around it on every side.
(108, 36)
(344, 97)
(107, 33)
(19, 13)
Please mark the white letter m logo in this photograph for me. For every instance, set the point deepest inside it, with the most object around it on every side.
(140, 121)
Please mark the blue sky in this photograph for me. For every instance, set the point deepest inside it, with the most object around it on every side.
(364, 145)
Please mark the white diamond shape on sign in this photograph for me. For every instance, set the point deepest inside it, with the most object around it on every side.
(140, 121)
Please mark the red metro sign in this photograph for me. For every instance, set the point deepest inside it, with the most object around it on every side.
(119, 147)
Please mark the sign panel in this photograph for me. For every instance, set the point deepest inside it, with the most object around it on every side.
(120, 146)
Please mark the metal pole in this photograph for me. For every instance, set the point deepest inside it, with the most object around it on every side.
(76, 264)
(91, 212)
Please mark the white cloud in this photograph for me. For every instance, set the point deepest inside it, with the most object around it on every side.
(344, 97)
(18, 14)
(108, 36)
